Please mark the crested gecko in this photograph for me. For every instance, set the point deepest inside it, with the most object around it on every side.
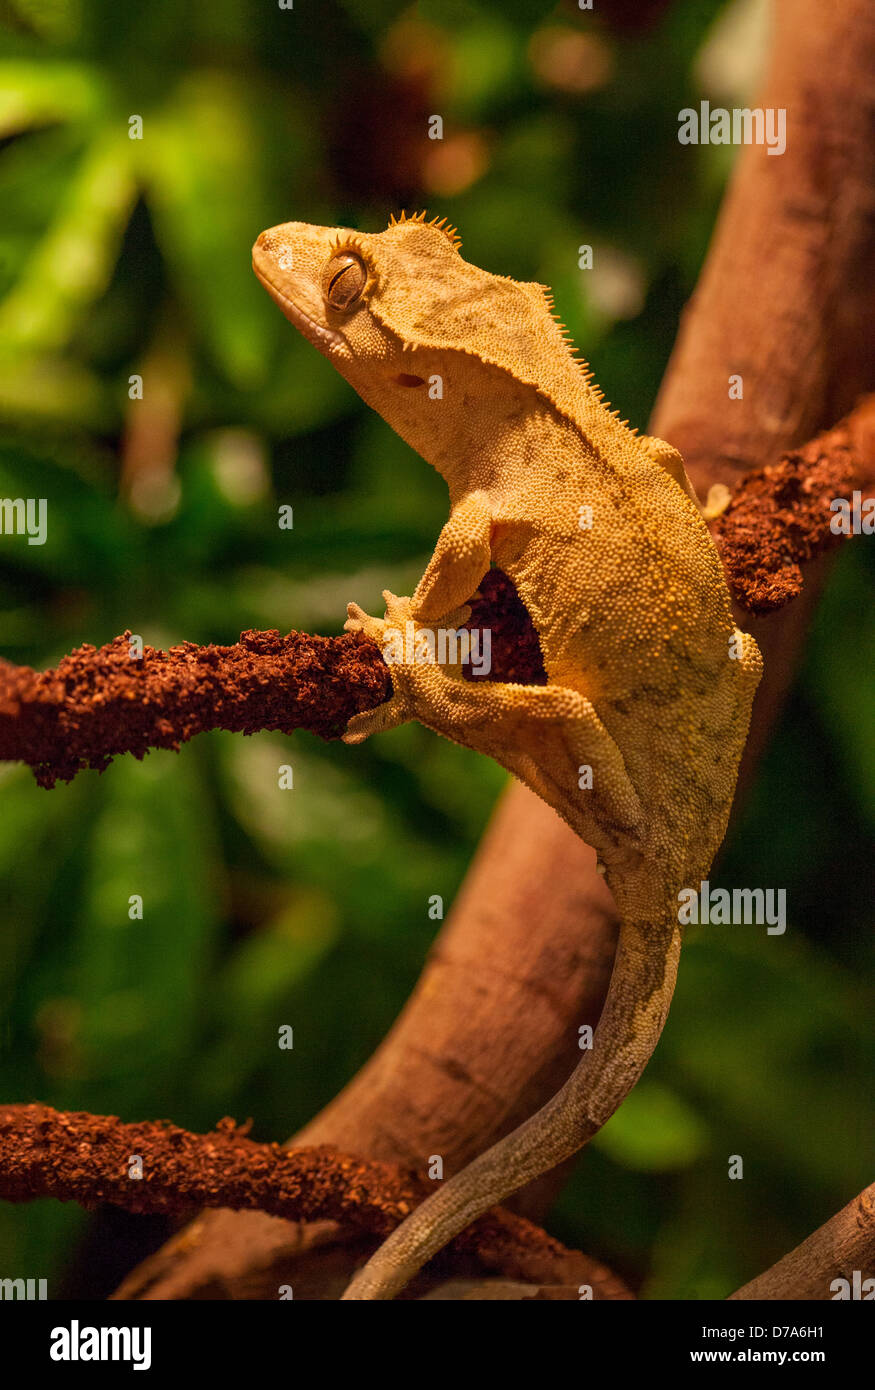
(635, 739)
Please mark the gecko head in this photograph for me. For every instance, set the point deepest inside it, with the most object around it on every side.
(359, 297)
(392, 309)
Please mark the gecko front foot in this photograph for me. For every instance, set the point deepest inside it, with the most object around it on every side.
(408, 649)
(359, 621)
(397, 709)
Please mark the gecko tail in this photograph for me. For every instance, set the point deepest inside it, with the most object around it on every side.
(635, 1009)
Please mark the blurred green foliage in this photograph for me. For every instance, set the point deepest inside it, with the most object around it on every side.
(123, 257)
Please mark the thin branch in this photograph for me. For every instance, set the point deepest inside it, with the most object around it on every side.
(102, 701)
(89, 1159)
(843, 1246)
(779, 517)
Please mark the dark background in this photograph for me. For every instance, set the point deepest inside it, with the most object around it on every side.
(309, 907)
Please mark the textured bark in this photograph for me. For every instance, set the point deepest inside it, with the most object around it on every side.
(845, 1244)
(100, 702)
(87, 1159)
(786, 299)
(786, 296)
(779, 517)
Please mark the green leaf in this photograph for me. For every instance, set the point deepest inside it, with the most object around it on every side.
(35, 94)
(254, 993)
(204, 186)
(781, 1051)
(33, 824)
(60, 390)
(304, 391)
(89, 540)
(36, 1240)
(654, 1131)
(71, 266)
(845, 698)
(137, 983)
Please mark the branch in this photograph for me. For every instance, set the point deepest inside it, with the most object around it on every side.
(87, 1159)
(845, 1244)
(779, 517)
(100, 702)
(786, 297)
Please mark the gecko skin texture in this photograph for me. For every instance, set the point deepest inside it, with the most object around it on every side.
(650, 683)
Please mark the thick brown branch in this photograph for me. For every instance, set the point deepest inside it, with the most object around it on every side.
(90, 1158)
(842, 1246)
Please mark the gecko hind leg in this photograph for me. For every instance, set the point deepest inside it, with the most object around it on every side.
(548, 736)
(551, 739)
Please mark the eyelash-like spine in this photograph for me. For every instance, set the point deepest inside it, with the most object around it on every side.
(348, 241)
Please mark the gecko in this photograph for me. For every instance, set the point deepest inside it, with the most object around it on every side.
(636, 738)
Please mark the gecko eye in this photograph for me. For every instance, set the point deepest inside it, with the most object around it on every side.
(343, 280)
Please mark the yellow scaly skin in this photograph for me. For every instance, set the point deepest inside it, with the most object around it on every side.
(650, 683)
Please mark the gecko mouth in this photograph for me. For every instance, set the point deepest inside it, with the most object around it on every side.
(327, 339)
